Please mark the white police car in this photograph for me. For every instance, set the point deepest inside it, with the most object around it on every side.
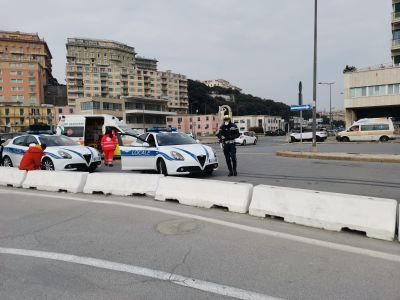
(62, 153)
(168, 153)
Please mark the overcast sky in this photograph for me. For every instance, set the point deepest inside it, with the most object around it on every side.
(263, 46)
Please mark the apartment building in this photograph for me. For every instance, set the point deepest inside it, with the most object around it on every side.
(25, 68)
(17, 118)
(396, 32)
(221, 83)
(109, 69)
(174, 89)
(99, 68)
(198, 125)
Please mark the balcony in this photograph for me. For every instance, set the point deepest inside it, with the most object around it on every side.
(396, 17)
(396, 44)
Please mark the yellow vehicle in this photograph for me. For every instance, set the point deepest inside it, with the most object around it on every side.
(374, 129)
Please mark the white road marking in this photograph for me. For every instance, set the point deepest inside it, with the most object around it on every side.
(266, 232)
(193, 283)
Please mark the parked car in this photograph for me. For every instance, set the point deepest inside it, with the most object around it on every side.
(307, 136)
(270, 133)
(280, 132)
(62, 153)
(247, 138)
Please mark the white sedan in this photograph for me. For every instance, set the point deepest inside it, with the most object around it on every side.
(62, 153)
(246, 138)
(168, 153)
(307, 136)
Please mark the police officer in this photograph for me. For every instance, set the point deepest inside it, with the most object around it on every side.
(227, 134)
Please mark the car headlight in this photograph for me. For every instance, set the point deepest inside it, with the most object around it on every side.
(64, 154)
(177, 155)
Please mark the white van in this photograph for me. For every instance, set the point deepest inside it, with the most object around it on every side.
(374, 129)
(89, 129)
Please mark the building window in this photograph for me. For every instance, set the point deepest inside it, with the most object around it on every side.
(60, 110)
(32, 81)
(112, 106)
(17, 88)
(90, 105)
(15, 73)
(1, 79)
(15, 80)
(71, 110)
(169, 119)
(1, 88)
(374, 91)
(17, 97)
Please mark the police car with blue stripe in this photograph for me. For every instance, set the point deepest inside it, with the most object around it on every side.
(62, 153)
(168, 152)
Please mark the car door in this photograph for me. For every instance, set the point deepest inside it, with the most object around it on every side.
(135, 155)
(16, 150)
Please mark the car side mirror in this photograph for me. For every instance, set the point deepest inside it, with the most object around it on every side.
(146, 144)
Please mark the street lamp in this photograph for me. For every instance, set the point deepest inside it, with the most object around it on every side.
(330, 100)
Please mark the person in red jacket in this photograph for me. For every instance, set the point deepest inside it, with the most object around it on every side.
(32, 157)
(108, 144)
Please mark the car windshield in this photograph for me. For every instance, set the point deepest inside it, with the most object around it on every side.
(128, 130)
(57, 140)
(174, 138)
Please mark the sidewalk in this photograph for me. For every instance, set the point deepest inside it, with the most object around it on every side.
(383, 158)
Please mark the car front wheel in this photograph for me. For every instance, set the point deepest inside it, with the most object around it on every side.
(161, 167)
(47, 164)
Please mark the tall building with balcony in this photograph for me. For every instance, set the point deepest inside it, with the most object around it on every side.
(25, 68)
(396, 32)
(99, 68)
(174, 88)
(111, 70)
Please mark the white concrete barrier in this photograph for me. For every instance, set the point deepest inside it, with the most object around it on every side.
(375, 216)
(122, 184)
(205, 193)
(55, 181)
(11, 176)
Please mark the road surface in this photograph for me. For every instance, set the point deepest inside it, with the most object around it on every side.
(63, 246)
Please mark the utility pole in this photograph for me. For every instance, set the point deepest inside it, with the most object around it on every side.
(314, 106)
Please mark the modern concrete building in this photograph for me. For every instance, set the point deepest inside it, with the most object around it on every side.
(100, 105)
(372, 92)
(221, 83)
(25, 68)
(264, 121)
(17, 117)
(198, 125)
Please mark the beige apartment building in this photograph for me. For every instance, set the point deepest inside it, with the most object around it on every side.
(266, 122)
(396, 32)
(108, 69)
(25, 68)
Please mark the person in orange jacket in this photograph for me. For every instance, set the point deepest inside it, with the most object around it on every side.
(108, 144)
(32, 157)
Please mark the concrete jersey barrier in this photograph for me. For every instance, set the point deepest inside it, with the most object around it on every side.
(11, 176)
(332, 211)
(122, 184)
(55, 181)
(205, 193)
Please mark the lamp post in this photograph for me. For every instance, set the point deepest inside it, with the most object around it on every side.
(330, 100)
(314, 108)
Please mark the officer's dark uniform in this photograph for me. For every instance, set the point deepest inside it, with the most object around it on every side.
(227, 135)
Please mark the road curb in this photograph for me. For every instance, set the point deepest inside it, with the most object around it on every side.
(383, 158)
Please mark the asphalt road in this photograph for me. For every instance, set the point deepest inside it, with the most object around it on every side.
(259, 165)
(137, 248)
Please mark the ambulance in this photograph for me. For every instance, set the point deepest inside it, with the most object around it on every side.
(373, 129)
(89, 129)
